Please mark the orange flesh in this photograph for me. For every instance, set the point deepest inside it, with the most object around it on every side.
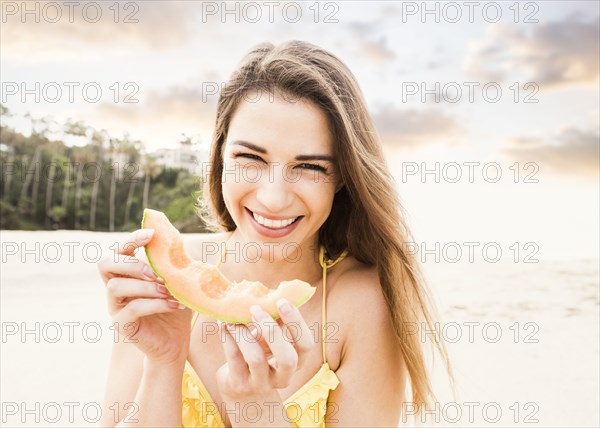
(203, 287)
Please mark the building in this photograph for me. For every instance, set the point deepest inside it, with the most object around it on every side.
(183, 157)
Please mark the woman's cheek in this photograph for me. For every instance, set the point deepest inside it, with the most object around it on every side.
(235, 185)
(318, 187)
(228, 188)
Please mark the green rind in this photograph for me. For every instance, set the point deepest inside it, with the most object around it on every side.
(204, 311)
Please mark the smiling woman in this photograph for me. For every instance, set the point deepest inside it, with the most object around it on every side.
(295, 163)
(290, 194)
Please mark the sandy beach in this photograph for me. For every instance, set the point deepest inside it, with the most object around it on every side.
(523, 337)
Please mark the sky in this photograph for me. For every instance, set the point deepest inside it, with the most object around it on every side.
(488, 112)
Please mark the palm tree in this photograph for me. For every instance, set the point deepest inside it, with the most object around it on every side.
(39, 131)
(32, 170)
(8, 178)
(67, 183)
(114, 151)
(98, 140)
(80, 157)
(4, 111)
(151, 170)
(130, 194)
(49, 188)
(132, 150)
(77, 129)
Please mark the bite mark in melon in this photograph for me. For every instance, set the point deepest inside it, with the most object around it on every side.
(202, 287)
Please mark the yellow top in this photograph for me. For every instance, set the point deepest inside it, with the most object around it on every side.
(305, 408)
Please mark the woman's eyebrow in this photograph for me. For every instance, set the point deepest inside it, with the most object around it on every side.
(250, 146)
(299, 157)
(315, 157)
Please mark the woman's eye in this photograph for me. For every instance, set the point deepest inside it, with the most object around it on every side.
(313, 167)
(308, 166)
(246, 155)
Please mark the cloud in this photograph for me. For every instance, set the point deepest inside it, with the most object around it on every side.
(551, 54)
(163, 115)
(409, 127)
(367, 44)
(157, 26)
(571, 151)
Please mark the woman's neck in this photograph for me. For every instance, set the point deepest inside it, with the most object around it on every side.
(270, 263)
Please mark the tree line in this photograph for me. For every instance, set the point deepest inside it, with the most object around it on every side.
(102, 184)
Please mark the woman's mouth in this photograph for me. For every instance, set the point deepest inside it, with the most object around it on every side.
(273, 228)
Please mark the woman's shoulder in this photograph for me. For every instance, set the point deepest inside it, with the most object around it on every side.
(357, 304)
(357, 279)
(358, 286)
(205, 246)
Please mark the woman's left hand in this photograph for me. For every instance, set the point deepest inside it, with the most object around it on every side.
(263, 359)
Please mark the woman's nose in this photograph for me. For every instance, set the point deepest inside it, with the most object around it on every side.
(274, 191)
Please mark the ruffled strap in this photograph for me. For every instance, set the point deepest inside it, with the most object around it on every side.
(198, 409)
(308, 406)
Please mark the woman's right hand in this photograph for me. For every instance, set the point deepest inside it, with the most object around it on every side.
(141, 307)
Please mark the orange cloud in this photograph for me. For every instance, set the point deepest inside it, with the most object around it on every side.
(410, 127)
(162, 117)
(75, 32)
(551, 54)
(571, 151)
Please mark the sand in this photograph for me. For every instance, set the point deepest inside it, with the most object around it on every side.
(541, 371)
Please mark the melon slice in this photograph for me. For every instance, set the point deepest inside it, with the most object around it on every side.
(202, 287)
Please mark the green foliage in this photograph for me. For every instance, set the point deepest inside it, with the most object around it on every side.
(47, 184)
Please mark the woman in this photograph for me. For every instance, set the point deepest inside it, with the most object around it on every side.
(295, 163)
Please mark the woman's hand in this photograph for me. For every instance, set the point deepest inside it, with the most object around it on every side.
(263, 356)
(141, 307)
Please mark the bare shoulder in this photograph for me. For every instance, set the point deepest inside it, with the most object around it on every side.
(371, 366)
(205, 246)
(357, 305)
(358, 293)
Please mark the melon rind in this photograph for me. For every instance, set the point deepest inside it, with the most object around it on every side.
(223, 316)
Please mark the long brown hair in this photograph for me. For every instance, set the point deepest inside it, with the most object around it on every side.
(367, 217)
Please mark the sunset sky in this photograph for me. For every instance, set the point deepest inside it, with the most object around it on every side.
(544, 123)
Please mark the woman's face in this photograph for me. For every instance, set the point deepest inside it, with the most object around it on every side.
(279, 176)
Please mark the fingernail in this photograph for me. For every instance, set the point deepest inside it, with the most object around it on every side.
(149, 272)
(144, 234)
(175, 305)
(284, 307)
(258, 314)
(162, 289)
(272, 362)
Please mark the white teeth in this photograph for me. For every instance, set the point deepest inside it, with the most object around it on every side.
(273, 224)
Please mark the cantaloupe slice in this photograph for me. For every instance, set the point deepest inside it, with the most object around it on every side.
(202, 287)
